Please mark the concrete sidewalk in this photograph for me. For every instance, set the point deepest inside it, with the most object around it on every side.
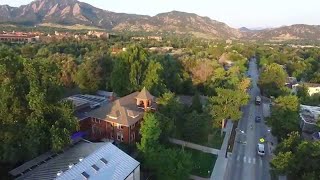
(220, 166)
(194, 146)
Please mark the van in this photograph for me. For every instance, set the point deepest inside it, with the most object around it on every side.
(260, 149)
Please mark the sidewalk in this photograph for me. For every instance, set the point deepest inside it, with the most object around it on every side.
(197, 178)
(219, 169)
(194, 146)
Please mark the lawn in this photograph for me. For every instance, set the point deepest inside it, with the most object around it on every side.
(215, 139)
(202, 163)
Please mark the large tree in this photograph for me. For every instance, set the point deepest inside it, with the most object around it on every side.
(154, 80)
(226, 105)
(284, 116)
(296, 158)
(33, 119)
(272, 80)
(92, 73)
(196, 127)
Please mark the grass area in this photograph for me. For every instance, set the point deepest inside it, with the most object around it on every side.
(202, 163)
(215, 139)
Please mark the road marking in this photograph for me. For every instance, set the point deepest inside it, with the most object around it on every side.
(254, 160)
(238, 158)
(249, 160)
(244, 159)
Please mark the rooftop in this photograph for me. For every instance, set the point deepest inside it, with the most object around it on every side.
(312, 84)
(81, 101)
(124, 111)
(83, 160)
(309, 114)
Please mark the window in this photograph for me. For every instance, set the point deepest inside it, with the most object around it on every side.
(119, 126)
(118, 137)
(86, 175)
(134, 125)
(95, 167)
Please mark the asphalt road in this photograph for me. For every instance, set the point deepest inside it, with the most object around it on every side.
(245, 163)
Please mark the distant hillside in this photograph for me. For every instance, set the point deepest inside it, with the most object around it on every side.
(294, 32)
(75, 13)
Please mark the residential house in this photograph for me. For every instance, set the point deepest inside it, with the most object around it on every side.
(119, 120)
(309, 116)
(224, 60)
(138, 38)
(157, 38)
(82, 160)
(312, 88)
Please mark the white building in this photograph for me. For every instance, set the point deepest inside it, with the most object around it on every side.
(312, 88)
(83, 160)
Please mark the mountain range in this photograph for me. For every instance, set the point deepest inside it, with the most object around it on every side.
(73, 12)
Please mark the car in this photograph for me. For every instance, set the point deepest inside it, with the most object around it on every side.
(260, 149)
(258, 119)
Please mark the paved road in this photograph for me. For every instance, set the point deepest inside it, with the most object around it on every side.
(244, 163)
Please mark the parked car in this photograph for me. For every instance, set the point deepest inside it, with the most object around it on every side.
(260, 149)
(258, 119)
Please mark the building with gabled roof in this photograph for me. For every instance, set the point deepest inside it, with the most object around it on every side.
(119, 120)
(82, 160)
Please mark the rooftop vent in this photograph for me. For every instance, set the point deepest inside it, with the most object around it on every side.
(59, 173)
(80, 159)
(70, 165)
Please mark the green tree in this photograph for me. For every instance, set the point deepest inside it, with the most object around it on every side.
(196, 103)
(296, 158)
(196, 127)
(272, 80)
(92, 73)
(226, 105)
(153, 80)
(284, 116)
(150, 132)
(67, 67)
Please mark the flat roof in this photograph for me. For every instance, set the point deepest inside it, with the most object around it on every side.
(99, 161)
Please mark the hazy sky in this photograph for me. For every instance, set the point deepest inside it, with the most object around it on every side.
(236, 13)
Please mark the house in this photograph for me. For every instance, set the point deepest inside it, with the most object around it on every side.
(119, 120)
(228, 41)
(157, 38)
(312, 88)
(82, 160)
(138, 38)
(224, 60)
(309, 116)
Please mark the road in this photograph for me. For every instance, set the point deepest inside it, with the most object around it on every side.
(245, 163)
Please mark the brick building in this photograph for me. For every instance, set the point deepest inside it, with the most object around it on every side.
(119, 120)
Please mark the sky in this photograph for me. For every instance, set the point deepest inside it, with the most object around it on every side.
(235, 13)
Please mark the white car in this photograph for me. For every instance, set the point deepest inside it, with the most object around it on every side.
(260, 149)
